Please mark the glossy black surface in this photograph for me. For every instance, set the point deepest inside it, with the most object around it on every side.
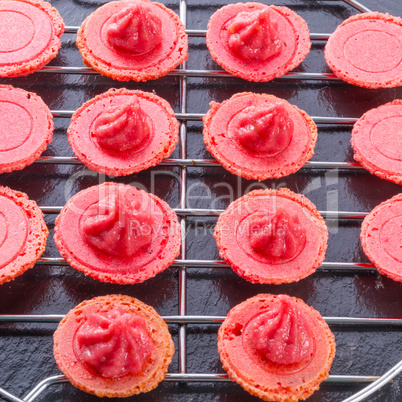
(26, 349)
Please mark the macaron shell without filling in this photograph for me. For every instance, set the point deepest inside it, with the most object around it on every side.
(366, 50)
(23, 233)
(29, 36)
(377, 141)
(381, 237)
(26, 128)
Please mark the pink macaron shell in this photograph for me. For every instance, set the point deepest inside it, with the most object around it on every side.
(293, 31)
(380, 237)
(122, 65)
(377, 141)
(366, 50)
(245, 262)
(162, 141)
(145, 264)
(257, 165)
(83, 377)
(29, 36)
(26, 128)
(23, 233)
(261, 377)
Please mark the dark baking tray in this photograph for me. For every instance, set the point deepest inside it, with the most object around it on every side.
(26, 349)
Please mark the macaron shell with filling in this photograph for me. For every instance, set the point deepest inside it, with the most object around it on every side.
(71, 244)
(252, 165)
(123, 66)
(294, 32)
(154, 370)
(377, 141)
(23, 234)
(264, 379)
(254, 268)
(29, 36)
(164, 133)
(26, 128)
(366, 50)
(380, 237)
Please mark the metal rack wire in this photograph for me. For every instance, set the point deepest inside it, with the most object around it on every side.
(182, 319)
(183, 204)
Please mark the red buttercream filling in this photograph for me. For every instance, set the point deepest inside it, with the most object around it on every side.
(118, 226)
(253, 35)
(279, 237)
(281, 335)
(114, 343)
(134, 29)
(123, 128)
(263, 129)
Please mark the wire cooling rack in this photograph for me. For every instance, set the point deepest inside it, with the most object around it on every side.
(184, 263)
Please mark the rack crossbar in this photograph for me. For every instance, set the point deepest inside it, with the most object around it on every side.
(210, 320)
